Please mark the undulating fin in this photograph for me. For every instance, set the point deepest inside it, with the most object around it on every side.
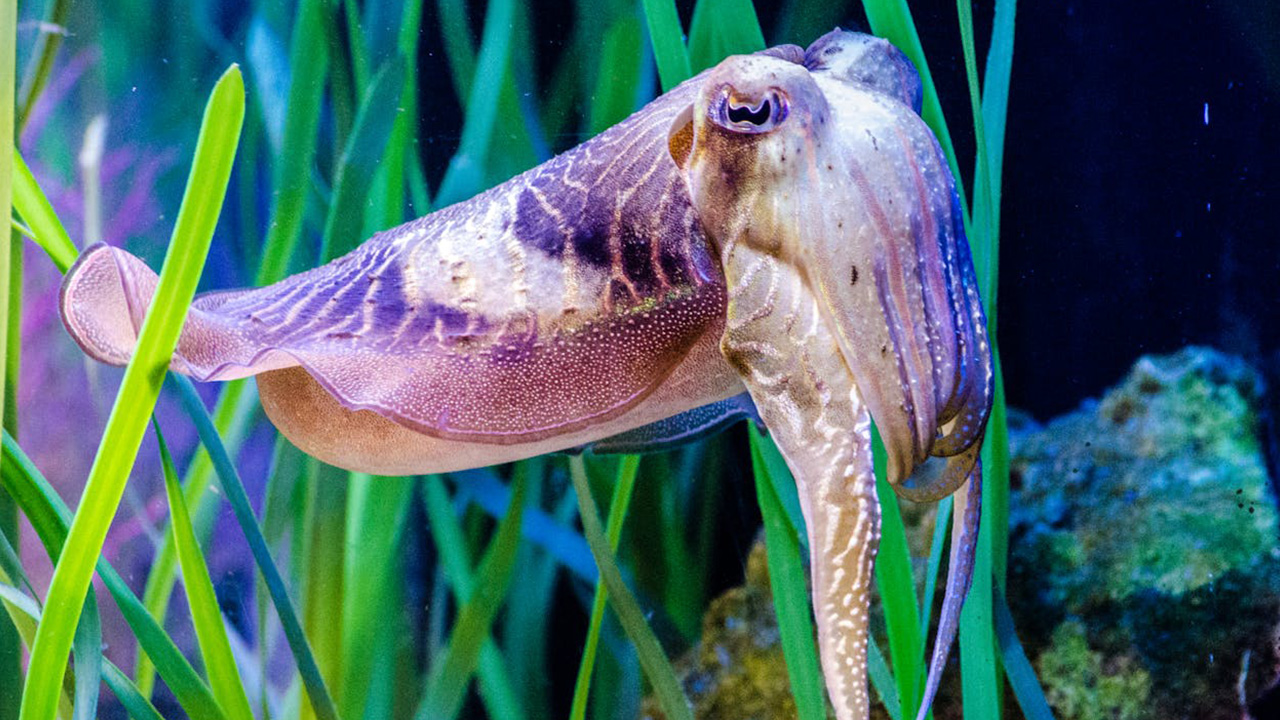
(104, 299)
(678, 430)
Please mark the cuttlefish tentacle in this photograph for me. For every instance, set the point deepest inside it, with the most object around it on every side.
(940, 477)
(967, 512)
(923, 274)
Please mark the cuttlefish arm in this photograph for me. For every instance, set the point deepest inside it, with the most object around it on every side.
(851, 299)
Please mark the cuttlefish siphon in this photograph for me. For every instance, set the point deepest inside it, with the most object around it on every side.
(783, 223)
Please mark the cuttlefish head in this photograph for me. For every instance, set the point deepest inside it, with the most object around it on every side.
(851, 292)
(756, 114)
(826, 165)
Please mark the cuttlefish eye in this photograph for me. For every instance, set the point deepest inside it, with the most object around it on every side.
(747, 114)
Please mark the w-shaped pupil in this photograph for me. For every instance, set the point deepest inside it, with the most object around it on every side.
(744, 113)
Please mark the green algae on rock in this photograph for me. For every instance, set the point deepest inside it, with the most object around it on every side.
(1144, 544)
(737, 669)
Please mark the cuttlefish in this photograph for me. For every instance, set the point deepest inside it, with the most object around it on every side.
(783, 223)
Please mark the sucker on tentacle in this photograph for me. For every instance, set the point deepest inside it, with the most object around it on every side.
(784, 223)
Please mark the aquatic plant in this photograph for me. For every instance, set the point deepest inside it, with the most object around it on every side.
(348, 641)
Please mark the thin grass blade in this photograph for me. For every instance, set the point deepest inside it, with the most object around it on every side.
(455, 30)
(897, 588)
(784, 486)
(50, 518)
(125, 691)
(11, 565)
(138, 707)
(309, 61)
(20, 604)
(232, 416)
(377, 508)
(662, 676)
(42, 56)
(449, 676)
(790, 600)
(47, 230)
(995, 110)
(979, 661)
(360, 160)
(233, 489)
(202, 202)
(983, 222)
(211, 633)
(496, 688)
(359, 47)
(86, 655)
(527, 625)
(941, 520)
(403, 130)
(465, 173)
(281, 504)
(721, 28)
(618, 79)
(320, 565)
(24, 612)
(882, 679)
(667, 38)
(803, 20)
(1022, 676)
(18, 599)
(554, 537)
(8, 153)
(618, 505)
(11, 316)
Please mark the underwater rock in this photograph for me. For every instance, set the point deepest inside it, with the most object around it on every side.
(737, 669)
(1144, 562)
(1145, 574)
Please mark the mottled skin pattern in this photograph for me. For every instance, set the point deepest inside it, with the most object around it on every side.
(548, 305)
(784, 221)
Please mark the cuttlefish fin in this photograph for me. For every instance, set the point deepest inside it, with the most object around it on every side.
(681, 429)
(104, 300)
(354, 326)
(967, 511)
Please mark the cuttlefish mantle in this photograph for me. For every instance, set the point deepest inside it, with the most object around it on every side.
(778, 234)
